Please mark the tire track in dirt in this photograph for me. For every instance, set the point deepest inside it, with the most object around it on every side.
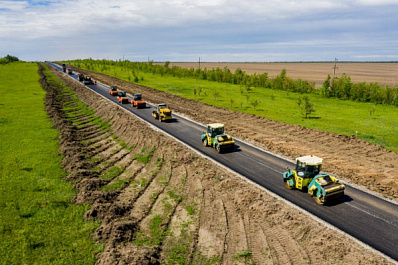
(177, 206)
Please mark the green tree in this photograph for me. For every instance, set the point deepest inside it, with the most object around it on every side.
(254, 104)
(325, 90)
(8, 59)
(306, 107)
(215, 95)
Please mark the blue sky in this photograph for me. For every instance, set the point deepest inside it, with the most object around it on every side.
(214, 30)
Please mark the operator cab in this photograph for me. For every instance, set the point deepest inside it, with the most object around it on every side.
(137, 96)
(121, 93)
(308, 166)
(215, 129)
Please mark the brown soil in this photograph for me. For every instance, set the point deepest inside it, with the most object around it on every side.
(385, 74)
(352, 159)
(178, 206)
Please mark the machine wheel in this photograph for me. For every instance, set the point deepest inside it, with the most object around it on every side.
(289, 182)
(320, 200)
(204, 142)
(218, 148)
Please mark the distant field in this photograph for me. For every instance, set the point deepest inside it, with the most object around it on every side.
(385, 74)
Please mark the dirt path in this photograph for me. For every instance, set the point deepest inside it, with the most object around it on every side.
(352, 159)
(161, 203)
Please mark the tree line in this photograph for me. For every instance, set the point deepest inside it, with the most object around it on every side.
(339, 87)
(343, 88)
(8, 59)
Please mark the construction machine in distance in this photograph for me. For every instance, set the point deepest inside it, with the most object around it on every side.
(162, 112)
(80, 77)
(88, 81)
(113, 91)
(216, 138)
(122, 97)
(307, 177)
(138, 102)
(64, 68)
(69, 71)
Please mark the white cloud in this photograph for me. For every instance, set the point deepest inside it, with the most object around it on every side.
(13, 5)
(95, 27)
(377, 2)
(44, 20)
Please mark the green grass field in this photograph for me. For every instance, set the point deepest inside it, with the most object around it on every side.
(377, 124)
(38, 222)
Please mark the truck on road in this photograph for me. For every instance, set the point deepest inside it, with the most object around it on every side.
(216, 138)
(137, 101)
(162, 112)
(307, 177)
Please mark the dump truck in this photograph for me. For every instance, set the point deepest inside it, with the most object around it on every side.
(138, 102)
(113, 91)
(88, 81)
(307, 177)
(216, 138)
(162, 112)
(122, 97)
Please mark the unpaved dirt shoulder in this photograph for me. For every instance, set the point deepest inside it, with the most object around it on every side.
(353, 159)
(177, 206)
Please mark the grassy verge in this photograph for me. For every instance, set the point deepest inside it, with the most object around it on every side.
(38, 222)
(377, 124)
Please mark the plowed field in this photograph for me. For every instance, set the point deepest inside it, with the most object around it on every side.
(161, 203)
(385, 74)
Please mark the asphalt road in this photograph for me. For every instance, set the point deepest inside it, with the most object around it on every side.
(368, 218)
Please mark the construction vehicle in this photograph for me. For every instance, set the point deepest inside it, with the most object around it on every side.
(122, 97)
(216, 138)
(162, 112)
(307, 177)
(138, 102)
(113, 91)
(80, 77)
(63, 68)
(88, 81)
(69, 71)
